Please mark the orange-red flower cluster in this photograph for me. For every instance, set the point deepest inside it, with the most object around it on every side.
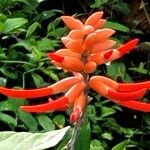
(86, 46)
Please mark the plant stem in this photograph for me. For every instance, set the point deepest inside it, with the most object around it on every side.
(80, 121)
(76, 132)
(145, 11)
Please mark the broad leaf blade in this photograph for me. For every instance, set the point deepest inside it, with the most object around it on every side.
(30, 141)
(120, 146)
(13, 23)
(83, 140)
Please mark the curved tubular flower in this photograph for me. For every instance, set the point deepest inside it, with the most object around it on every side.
(58, 104)
(86, 46)
(60, 86)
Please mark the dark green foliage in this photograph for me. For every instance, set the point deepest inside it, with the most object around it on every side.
(31, 28)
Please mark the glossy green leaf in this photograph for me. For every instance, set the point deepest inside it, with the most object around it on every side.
(3, 81)
(120, 146)
(12, 122)
(32, 29)
(8, 73)
(107, 136)
(59, 120)
(46, 123)
(83, 140)
(98, 3)
(13, 23)
(28, 120)
(50, 73)
(96, 145)
(106, 111)
(116, 69)
(38, 80)
(30, 141)
(116, 26)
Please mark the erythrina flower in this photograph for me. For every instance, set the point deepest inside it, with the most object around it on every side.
(86, 46)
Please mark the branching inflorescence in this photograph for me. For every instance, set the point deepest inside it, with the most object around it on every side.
(86, 46)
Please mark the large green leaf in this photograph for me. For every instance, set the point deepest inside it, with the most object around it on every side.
(116, 26)
(13, 23)
(83, 140)
(46, 122)
(12, 122)
(28, 120)
(32, 28)
(96, 145)
(106, 111)
(30, 141)
(120, 146)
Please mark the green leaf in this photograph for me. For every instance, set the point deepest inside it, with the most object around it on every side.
(45, 122)
(98, 3)
(140, 69)
(30, 141)
(107, 136)
(1, 27)
(12, 122)
(28, 120)
(96, 145)
(8, 73)
(59, 120)
(91, 111)
(146, 118)
(23, 44)
(83, 140)
(3, 81)
(106, 111)
(13, 23)
(6, 106)
(120, 146)
(38, 80)
(32, 29)
(45, 45)
(116, 69)
(116, 26)
(2, 17)
(50, 73)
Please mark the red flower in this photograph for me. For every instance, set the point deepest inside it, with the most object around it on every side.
(86, 46)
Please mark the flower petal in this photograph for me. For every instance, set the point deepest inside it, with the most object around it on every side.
(99, 24)
(133, 86)
(128, 46)
(67, 52)
(55, 57)
(90, 67)
(72, 23)
(64, 84)
(102, 46)
(74, 92)
(94, 18)
(73, 64)
(125, 96)
(103, 34)
(51, 106)
(76, 34)
(79, 106)
(75, 46)
(28, 93)
(122, 87)
(136, 105)
(107, 91)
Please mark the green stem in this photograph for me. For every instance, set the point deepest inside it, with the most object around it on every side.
(24, 74)
(16, 62)
(80, 122)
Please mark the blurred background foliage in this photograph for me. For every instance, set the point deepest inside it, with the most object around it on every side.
(31, 28)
